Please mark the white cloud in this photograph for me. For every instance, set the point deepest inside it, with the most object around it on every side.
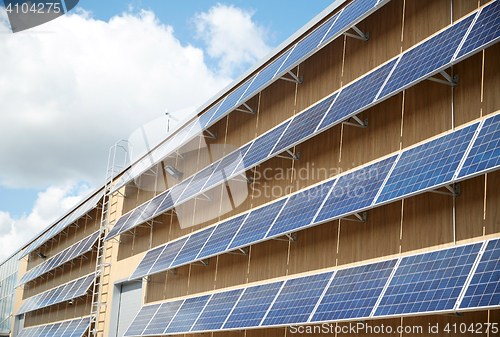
(49, 206)
(232, 37)
(67, 96)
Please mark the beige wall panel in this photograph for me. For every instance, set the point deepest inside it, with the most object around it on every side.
(189, 165)
(315, 248)
(161, 229)
(467, 95)
(427, 221)
(147, 187)
(424, 18)
(130, 201)
(175, 229)
(142, 240)
(226, 334)
(491, 100)
(377, 237)
(385, 41)
(495, 318)
(427, 111)
(319, 159)
(241, 125)
(156, 287)
(380, 138)
(126, 246)
(277, 104)
(322, 74)
(177, 285)
(268, 259)
(202, 278)
(231, 270)
(492, 223)
(265, 187)
(241, 193)
(393, 323)
(278, 332)
(463, 7)
(470, 209)
(442, 320)
(218, 128)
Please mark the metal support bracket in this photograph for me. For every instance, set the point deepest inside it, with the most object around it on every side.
(177, 155)
(359, 124)
(88, 217)
(248, 110)
(173, 272)
(294, 78)
(289, 237)
(361, 36)
(240, 251)
(359, 218)
(210, 135)
(448, 79)
(292, 155)
(203, 263)
(453, 192)
(245, 179)
(151, 174)
(122, 194)
(204, 197)
(177, 213)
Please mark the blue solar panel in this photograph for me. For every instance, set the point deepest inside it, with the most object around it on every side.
(71, 328)
(231, 100)
(256, 225)
(352, 13)
(226, 167)
(297, 299)
(267, 74)
(216, 311)
(166, 204)
(428, 165)
(142, 319)
(484, 288)
(300, 209)
(132, 220)
(167, 256)
(146, 263)
(162, 318)
(485, 153)
(304, 124)
(187, 314)
(207, 116)
(199, 180)
(307, 45)
(261, 148)
(221, 237)
(252, 306)
(119, 224)
(416, 64)
(82, 327)
(357, 95)
(354, 292)
(429, 282)
(485, 30)
(149, 211)
(356, 190)
(177, 190)
(192, 247)
(45, 331)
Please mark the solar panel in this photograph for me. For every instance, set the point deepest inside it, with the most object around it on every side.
(132, 220)
(221, 237)
(71, 327)
(59, 329)
(216, 311)
(485, 152)
(63, 326)
(297, 300)
(300, 209)
(417, 63)
(357, 95)
(307, 45)
(82, 327)
(208, 116)
(428, 165)
(352, 13)
(118, 225)
(149, 211)
(429, 282)
(161, 318)
(484, 288)
(166, 204)
(141, 320)
(167, 256)
(146, 263)
(353, 292)
(226, 167)
(199, 180)
(192, 247)
(252, 306)
(187, 314)
(355, 191)
(231, 100)
(304, 124)
(256, 225)
(485, 30)
(260, 149)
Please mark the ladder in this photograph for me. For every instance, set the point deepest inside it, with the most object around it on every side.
(112, 170)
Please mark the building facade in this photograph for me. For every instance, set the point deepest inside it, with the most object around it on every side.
(8, 277)
(346, 184)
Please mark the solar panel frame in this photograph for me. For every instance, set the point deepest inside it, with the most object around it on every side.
(162, 318)
(168, 255)
(187, 314)
(81, 328)
(142, 320)
(192, 247)
(147, 262)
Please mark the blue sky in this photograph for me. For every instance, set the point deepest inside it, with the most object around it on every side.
(113, 64)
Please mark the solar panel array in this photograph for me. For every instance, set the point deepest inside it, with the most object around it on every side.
(71, 328)
(70, 253)
(65, 223)
(349, 101)
(65, 292)
(426, 166)
(431, 282)
(318, 38)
